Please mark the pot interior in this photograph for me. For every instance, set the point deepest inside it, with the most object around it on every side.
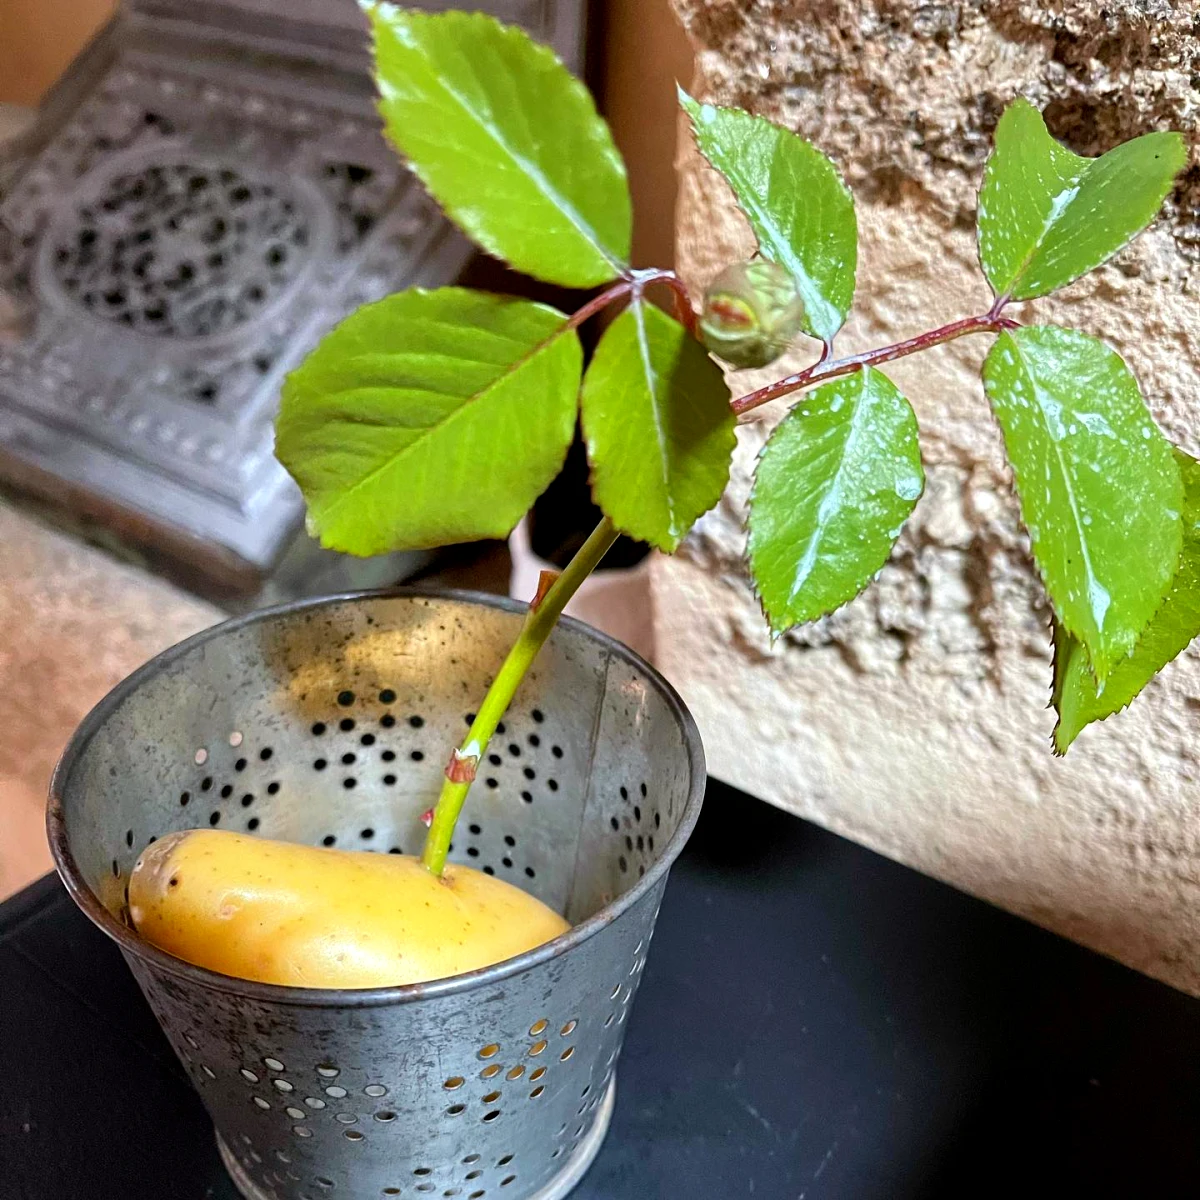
(329, 723)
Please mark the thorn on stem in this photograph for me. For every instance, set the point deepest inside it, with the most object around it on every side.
(427, 818)
(461, 768)
(546, 581)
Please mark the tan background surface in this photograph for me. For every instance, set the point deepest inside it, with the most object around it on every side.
(72, 624)
(646, 52)
(38, 38)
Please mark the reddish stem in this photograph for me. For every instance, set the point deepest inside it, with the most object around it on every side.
(635, 283)
(599, 303)
(825, 369)
(1001, 302)
(683, 301)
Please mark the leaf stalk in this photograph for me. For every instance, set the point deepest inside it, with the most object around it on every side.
(826, 368)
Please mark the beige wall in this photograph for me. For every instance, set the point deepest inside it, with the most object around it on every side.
(38, 38)
(645, 52)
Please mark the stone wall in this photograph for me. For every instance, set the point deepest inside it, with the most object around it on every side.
(914, 720)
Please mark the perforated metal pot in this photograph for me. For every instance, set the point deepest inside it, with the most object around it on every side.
(328, 722)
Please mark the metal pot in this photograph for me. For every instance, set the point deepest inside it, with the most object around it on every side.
(329, 722)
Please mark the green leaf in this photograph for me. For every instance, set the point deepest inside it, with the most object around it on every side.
(1099, 486)
(837, 479)
(507, 140)
(658, 426)
(1047, 216)
(430, 418)
(1077, 698)
(795, 201)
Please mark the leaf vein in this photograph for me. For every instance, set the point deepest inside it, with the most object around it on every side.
(371, 476)
(538, 177)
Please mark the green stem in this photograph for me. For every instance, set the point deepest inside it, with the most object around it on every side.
(538, 624)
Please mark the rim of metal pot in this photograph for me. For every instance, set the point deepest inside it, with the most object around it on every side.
(83, 896)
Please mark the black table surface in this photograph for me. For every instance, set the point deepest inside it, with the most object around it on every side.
(815, 1023)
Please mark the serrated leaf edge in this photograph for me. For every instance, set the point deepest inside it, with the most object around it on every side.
(619, 266)
(1032, 552)
(1054, 697)
(810, 293)
(668, 546)
(1085, 164)
(777, 633)
(316, 524)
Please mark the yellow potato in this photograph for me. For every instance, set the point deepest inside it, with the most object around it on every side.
(307, 917)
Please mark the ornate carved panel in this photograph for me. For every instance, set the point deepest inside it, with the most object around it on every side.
(190, 222)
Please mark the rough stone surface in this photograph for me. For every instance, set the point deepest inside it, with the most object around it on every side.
(914, 720)
(72, 624)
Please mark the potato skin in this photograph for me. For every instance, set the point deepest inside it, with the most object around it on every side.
(302, 916)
